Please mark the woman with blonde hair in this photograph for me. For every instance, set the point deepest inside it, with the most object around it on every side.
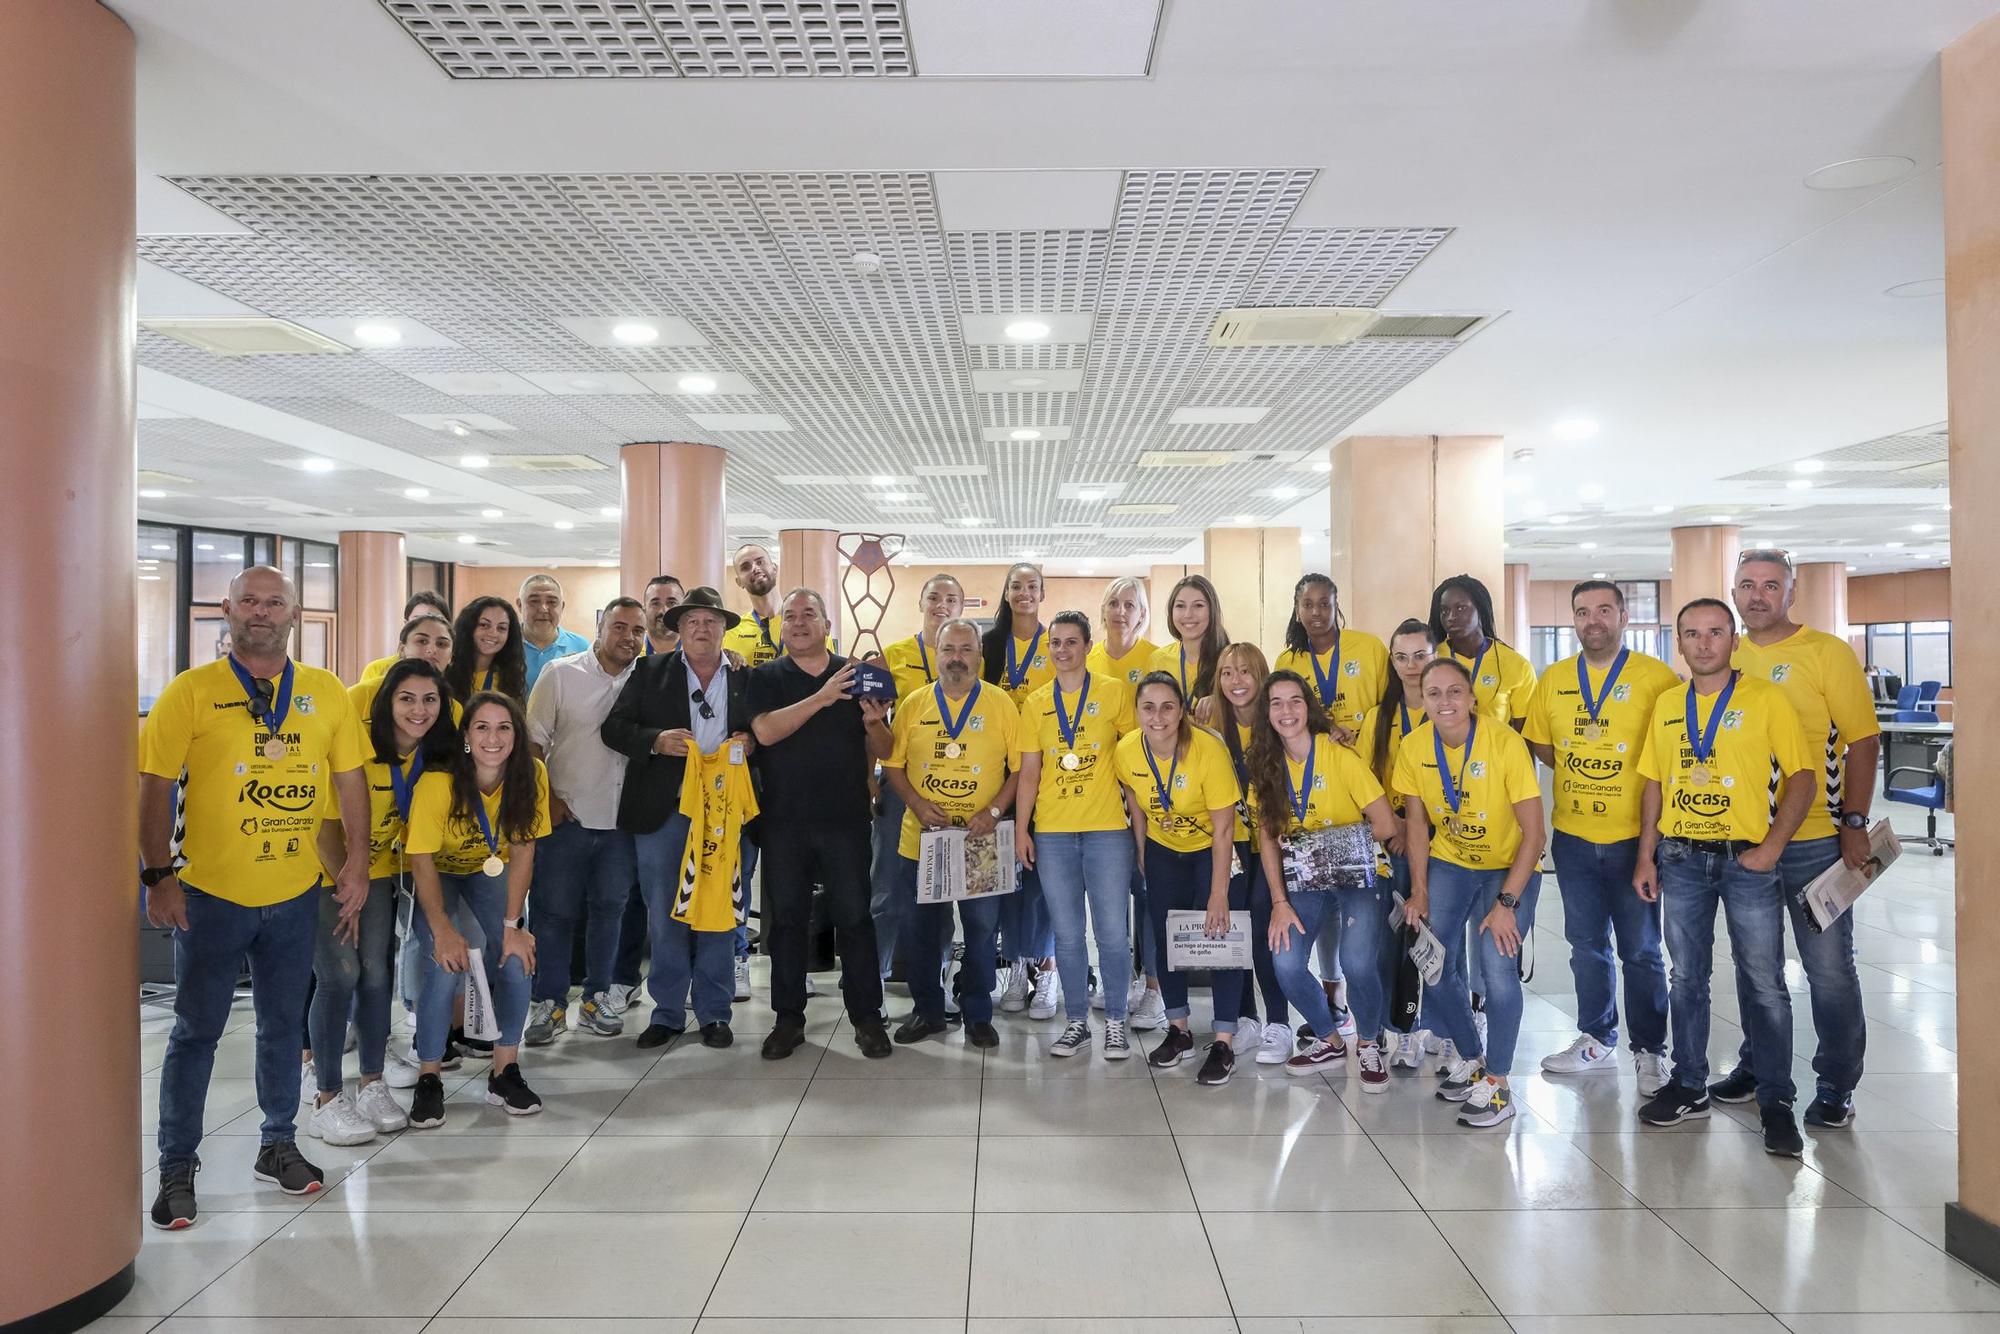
(1125, 654)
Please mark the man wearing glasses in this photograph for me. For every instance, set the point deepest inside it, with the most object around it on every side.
(677, 710)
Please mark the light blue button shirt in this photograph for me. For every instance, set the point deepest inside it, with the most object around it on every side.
(709, 732)
(566, 643)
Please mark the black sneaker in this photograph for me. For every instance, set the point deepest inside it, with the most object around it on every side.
(173, 1207)
(1831, 1111)
(716, 1034)
(658, 1035)
(916, 1028)
(1781, 1133)
(282, 1164)
(1219, 1066)
(1673, 1105)
(1174, 1048)
(427, 1104)
(1741, 1086)
(478, 1048)
(507, 1090)
(978, 1034)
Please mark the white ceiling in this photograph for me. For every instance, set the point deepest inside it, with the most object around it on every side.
(1621, 183)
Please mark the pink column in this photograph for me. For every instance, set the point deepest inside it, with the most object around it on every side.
(810, 557)
(1819, 596)
(1516, 618)
(1704, 567)
(69, 847)
(673, 521)
(374, 577)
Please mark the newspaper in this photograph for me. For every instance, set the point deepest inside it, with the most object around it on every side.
(1190, 948)
(1336, 857)
(1834, 890)
(954, 865)
(1428, 951)
(481, 1024)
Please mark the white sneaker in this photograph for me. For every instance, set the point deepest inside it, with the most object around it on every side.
(1586, 1053)
(1488, 1105)
(1409, 1050)
(338, 1122)
(743, 979)
(1249, 1035)
(1447, 1054)
(1014, 995)
(1097, 993)
(399, 1071)
(1655, 1071)
(619, 998)
(1432, 1044)
(1276, 1046)
(1150, 1013)
(379, 1109)
(950, 999)
(1135, 994)
(308, 1083)
(1047, 996)
(811, 989)
(1479, 1022)
(1460, 1081)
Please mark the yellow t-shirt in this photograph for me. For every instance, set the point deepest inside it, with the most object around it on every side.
(250, 821)
(362, 694)
(1757, 743)
(1202, 782)
(379, 668)
(1597, 783)
(1499, 772)
(989, 747)
(1408, 718)
(1086, 798)
(385, 823)
(755, 639)
(1246, 823)
(1036, 667)
(1502, 680)
(912, 662)
(1342, 787)
(1357, 683)
(1137, 661)
(1824, 684)
(455, 842)
(1184, 668)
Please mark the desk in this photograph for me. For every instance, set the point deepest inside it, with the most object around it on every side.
(1921, 734)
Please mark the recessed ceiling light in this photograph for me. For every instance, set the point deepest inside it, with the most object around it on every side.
(1090, 496)
(1322, 465)
(490, 514)
(1857, 173)
(1027, 382)
(204, 546)
(972, 521)
(1590, 491)
(1600, 574)
(416, 492)
(1663, 509)
(319, 565)
(1721, 518)
(1893, 546)
(1024, 433)
(149, 578)
(1574, 428)
(609, 511)
(882, 479)
(697, 384)
(1851, 569)
(1027, 555)
(378, 335)
(635, 334)
(1559, 518)
(894, 497)
(1283, 492)
(152, 495)
(474, 461)
(1586, 546)
(1920, 528)
(318, 465)
(564, 523)
(1799, 484)
(163, 546)
(1246, 518)
(467, 538)
(1809, 465)
(1027, 331)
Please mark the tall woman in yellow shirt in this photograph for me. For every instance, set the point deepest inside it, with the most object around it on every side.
(1239, 677)
(1462, 625)
(1382, 731)
(1014, 655)
(1194, 621)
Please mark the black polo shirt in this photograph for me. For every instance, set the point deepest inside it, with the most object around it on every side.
(818, 774)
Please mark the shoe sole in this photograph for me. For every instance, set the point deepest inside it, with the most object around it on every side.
(1375, 1085)
(1114, 1054)
(1012, 1007)
(1785, 1153)
(1057, 1049)
(425, 1125)
(1841, 1124)
(1168, 1065)
(1454, 1095)
(1146, 1025)
(310, 1188)
(1312, 1069)
(1751, 1096)
(1486, 1122)
(1607, 1064)
(345, 1142)
(1698, 1114)
(509, 1108)
(544, 1040)
(172, 1224)
(1217, 1083)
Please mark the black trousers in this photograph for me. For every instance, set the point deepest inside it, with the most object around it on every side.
(798, 855)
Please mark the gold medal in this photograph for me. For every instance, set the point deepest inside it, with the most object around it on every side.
(952, 750)
(1593, 732)
(276, 749)
(1698, 775)
(1072, 761)
(1450, 826)
(493, 865)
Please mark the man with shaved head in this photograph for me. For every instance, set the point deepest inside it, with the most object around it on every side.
(543, 638)
(252, 742)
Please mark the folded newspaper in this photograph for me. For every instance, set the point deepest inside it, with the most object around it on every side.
(1190, 947)
(954, 865)
(1335, 857)
(1834, 890)
(1427, 953)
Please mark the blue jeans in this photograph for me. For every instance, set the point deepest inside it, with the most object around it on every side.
(486, 897)
(1595, 881)
(1025, 933)
(681, 954)
(1831, 977)
(1095, 866)
(1691, 884)
(1460, 899)
(579, 873)
(1178, 882)
(277, 942)
(885, 878)
(928, 943)
(360, 975)
(1364, 943)
(1293, 964)
(1275, 1011)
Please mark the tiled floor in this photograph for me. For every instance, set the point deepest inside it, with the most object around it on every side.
(947, 1189)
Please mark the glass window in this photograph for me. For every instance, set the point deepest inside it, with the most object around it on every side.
(430, 576)
(217, 558)
(159, 611)
(1930, 652)
(316, 576)
(260, 549)
(294, 558)
(1642, 601)
(208, 636)
(1888, 647)
(316, 641)
(1550, 644)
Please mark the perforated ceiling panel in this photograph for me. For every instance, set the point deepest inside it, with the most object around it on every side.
(867, 361)
(659, 39)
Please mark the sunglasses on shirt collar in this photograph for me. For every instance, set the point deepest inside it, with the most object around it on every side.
(701, 702)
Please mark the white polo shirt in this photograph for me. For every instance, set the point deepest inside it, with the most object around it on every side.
(565, 709)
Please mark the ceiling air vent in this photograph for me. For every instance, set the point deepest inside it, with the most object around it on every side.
(245, 336)
(1424, 326)
(1290, 326)
(548, 462)
(1186, 458)
(1141, 509)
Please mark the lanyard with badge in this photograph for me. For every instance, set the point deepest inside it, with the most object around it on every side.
(953, 726)
(403, 789)
(1594, 730)
(1067, 725)
(1184, 683)
(1702, 742)
(1302, 794)
(1165, 789)
(492, 865)
(1454, 788)
(924, 659)
(268, 712)
(1328, 682)
(1017, 670)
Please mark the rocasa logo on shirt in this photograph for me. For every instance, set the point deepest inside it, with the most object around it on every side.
(1701, 801)
(1597, 768)
(292, 798)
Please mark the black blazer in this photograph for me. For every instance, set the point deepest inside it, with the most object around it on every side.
(655, 700)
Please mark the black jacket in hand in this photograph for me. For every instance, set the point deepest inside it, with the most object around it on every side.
(655, 700)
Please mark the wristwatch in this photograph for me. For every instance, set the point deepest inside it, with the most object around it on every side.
(515, 923)
(996, 812)
(153, 875)
(1509, 901)
(1853, 820)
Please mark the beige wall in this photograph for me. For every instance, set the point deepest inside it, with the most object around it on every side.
(1914, 595)
(586, 588)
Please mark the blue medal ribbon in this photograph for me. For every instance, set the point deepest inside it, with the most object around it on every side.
(274, 716)
(1591, 706)
(1454, 789)
(763, 628)
(487, 684)
(953, 726)
(1017, 673)
(924, 657)
(1068, 725)
(1302, 796)
(1184, 684)
(1702, 743)
(1165, 790)
(1406, 716)
(1328, 682)
(486, 829)
(404, 786)
(1484, 644)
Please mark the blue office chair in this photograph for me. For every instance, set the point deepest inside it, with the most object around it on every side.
(1914, 716)
(1906, 698)
(1930, 796)
(1927, 693)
